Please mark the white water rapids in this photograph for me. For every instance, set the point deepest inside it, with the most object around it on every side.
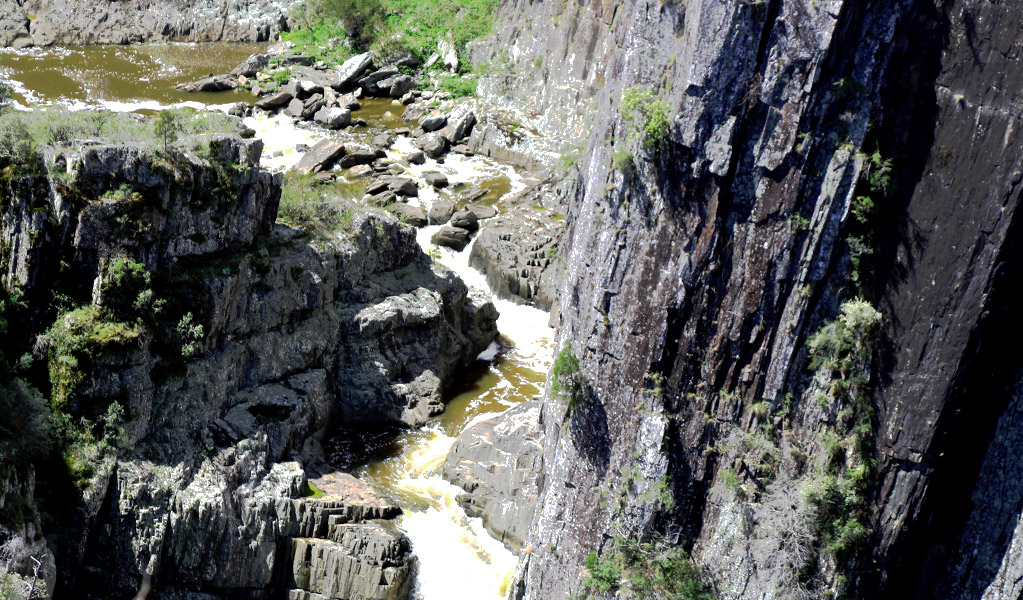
(458, 559)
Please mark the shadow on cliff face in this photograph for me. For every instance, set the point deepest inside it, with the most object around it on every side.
(922, 554)
(588, 428)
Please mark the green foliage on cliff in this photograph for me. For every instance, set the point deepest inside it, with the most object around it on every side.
(841, 354)
(458, 87)
(567, 378)
(646, 570)
(648, 116)
(127, 291)
(388, 27)
(77, 339)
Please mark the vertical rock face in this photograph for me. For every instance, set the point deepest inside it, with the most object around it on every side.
(47, 22)
(697, 272)
(208, 496)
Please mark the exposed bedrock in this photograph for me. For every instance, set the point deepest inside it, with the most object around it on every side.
(47, 22)
(209, 497)
(496, 462)
(695, 275)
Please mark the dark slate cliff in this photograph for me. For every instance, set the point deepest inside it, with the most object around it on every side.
(697, 273)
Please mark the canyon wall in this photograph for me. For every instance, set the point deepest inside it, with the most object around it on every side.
(47, 22)
(698, 271)
(197, 353)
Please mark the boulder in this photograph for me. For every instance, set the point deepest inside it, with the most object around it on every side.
(240, 109)
(441, 211)
(460, 124)
(216, 83)
(350, 70)
(311, 105)
(252, 65)
(417, 157)
(369, 82)
(357, 156)
(361, 170)
(433, 122)
(295, 108)
(333, 118)
(322, 156)
(413, 215)
(382, 140)
(482, 211)
(432, 144)
(451, 237)
(401, 85)
(403, 186)
(437, 180)
(308, 88)
(466, 220)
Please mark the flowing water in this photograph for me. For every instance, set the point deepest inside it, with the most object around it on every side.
(458, 558)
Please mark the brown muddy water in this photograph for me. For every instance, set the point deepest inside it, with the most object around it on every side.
(105, 75)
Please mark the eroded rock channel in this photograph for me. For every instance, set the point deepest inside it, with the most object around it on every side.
(298, 449)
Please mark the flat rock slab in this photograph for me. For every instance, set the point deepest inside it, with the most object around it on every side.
(413, 215)
(342, 487)
(437, 180)
(275, 101)
(322, 156)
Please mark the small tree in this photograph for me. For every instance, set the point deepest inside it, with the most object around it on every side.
(167, 127)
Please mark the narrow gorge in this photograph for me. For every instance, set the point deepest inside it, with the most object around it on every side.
(331, 299)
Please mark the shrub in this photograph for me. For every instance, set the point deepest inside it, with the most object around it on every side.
(566, 378)
(127, 291)
(191, 334)
(646, 115)
(646, 570)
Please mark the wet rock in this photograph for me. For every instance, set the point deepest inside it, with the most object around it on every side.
(451, 237)
(377, 186)
(475, 194)
(433, 144)
(350, 70)
(246, 132)
(417, 157)
(497, 462)
(349, 101)
(441, 211)
(361, 170)
(382, 140)
(251, 66)
(322, 156)
(413, 215)
(408, 98)
(433, 122)
(515, 250)
(217, 83)
(466, 220)
(384, 198)
(437, 180)
(240, 109)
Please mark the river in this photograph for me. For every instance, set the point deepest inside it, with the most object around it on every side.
(458, 558)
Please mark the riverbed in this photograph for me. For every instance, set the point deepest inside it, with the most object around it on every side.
(458, 558)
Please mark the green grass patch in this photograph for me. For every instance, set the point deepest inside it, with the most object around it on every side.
(323, 210)
(388, 27)
(646, 570)
(458, 87)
